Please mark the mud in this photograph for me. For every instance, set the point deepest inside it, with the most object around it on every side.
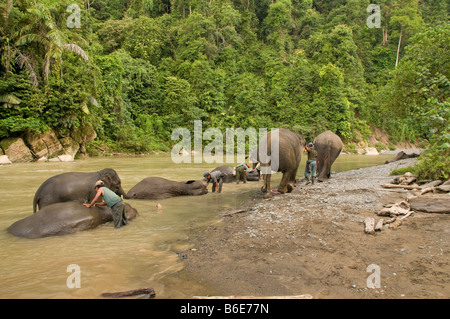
(312, 241)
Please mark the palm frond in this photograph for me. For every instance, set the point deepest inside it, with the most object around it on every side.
(76, 49)
(22, 59)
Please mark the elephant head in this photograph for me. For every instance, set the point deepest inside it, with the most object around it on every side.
(112, 180)
(195, 188)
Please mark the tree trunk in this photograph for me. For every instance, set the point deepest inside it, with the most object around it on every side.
(399, 45)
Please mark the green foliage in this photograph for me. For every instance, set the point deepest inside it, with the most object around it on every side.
(137, 69)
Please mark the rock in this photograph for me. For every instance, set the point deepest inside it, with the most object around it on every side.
(70, 146)
(46, 144)
(16, 150)
(4, 159)
(66, 158)
(371, 151)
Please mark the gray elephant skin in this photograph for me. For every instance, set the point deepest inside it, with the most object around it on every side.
(230, 176)
(290, 149)
(328, 146)
(161, 188)
(65, 218)
(74, 186)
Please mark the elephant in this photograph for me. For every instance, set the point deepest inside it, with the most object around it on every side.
(74, 186)
(230, 174)
(328, 146)
(161, 188)
(65, 218)
(280, 150)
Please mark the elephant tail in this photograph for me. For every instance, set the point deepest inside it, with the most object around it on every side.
(35, 203)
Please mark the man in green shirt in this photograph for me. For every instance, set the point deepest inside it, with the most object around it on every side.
(241, 172)
(113, 201)
(311, 163)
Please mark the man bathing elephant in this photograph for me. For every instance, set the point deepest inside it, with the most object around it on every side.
(112, 201)
(65, 218)
(161, 188)
(75, 186)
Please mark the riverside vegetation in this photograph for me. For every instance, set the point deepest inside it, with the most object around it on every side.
(132, 71)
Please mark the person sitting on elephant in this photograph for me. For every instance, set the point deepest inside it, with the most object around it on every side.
(241, 172)
(112, 200)
(311, 164)
(216, 178)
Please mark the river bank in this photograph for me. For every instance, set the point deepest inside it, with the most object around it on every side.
(312, 241)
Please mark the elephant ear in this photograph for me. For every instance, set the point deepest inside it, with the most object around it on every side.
(190, 182)
(106, 180)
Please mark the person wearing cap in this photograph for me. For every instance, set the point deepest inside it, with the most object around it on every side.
(241, 172)
(112, 200)
(216, 178)
(311, 164)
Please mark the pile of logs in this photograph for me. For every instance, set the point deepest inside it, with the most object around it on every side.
(437, 201)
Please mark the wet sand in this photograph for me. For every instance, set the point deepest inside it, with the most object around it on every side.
(312, 241)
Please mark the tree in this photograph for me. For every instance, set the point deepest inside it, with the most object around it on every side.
(47, 30)
(421, 87)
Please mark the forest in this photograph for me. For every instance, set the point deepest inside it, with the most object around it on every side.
(135, 70)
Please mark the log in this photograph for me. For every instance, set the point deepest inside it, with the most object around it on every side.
(395, 224)
(431, 204)
(409, 180)
(379, 225)
(142, 291)
(234, 212)
(369, 223)
(415, 186)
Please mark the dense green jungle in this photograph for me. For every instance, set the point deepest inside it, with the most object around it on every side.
(135, 70)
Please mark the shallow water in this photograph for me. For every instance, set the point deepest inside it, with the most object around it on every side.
(142, 254)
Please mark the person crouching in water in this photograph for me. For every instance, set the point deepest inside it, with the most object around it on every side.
(311, 163)
(113, 201)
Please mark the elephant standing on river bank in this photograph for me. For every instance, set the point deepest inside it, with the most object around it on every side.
(328, 146)
(161, 188)
(74, 186)
(65, 218)
(283, 149)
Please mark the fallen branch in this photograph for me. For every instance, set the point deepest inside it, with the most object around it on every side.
(369, 223)
(401, 186)
(143, 291)
(234, 212)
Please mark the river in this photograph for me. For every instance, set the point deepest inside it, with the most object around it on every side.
(142, 254)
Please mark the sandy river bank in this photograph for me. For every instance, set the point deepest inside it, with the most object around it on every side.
(312, 241)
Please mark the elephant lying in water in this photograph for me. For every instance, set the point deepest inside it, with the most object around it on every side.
(75, 186)
(230, 174)
(65, 218)
(161, 188)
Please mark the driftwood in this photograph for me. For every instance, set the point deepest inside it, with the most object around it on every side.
(369, 223)
(234, 212)
(414, 186)
(431, 204)
(379, 225)
(143, 291)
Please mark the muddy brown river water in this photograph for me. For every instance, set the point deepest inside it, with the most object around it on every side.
(142, 254)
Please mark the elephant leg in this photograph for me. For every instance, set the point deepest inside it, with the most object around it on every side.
(283, 187)
(266, 185)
